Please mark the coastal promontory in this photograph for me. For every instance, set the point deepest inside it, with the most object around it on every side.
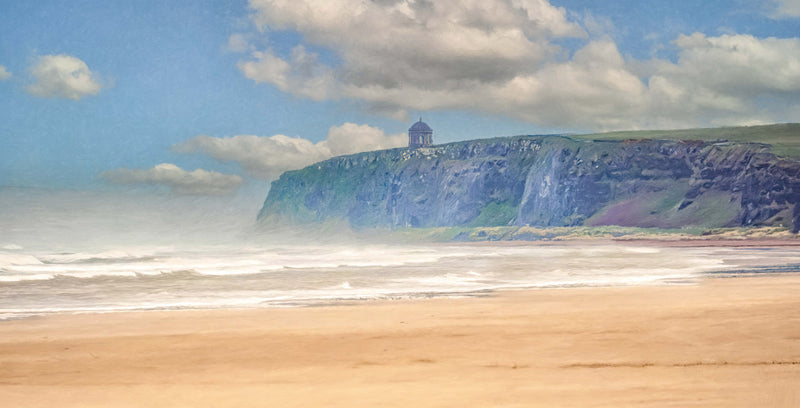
(545, 181)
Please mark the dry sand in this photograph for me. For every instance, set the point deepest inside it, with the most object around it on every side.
(723, 343)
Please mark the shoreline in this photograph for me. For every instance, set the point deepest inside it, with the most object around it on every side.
(704, 244)
(404, 298)
(721, 343)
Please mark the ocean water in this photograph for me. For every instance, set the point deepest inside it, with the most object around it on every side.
(80, 252)
(162, 278)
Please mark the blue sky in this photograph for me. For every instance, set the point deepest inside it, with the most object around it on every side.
(214, 97)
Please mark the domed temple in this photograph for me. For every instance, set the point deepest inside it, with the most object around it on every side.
(420, 135)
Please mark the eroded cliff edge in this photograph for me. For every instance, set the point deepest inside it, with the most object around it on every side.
(545, 181)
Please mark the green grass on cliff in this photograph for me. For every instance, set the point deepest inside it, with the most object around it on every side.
(495, 214)
(784, 138)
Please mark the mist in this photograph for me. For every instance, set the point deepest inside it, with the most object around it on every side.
(70, 220)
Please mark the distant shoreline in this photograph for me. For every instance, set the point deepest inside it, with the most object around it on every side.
(734, 243)
(526, 235)
(671, 243)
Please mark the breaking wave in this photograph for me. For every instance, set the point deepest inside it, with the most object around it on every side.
(164, 278)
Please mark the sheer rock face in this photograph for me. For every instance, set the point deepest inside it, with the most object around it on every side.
(545, 181)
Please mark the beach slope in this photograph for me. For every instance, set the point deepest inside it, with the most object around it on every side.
(723, 343)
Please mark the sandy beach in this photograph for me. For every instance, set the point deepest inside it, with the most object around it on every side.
(732, 342)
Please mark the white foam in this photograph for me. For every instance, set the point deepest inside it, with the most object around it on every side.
(316, 274)
(29, 277)
(443, 280)
(13, 259)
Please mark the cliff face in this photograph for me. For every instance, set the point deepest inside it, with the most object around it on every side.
(545, 181)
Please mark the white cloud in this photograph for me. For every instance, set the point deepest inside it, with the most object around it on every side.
(404, 47)
(731, 78)
(750, 64)
(200, 182)
(265, 157)
(63, 76)
(779, 9)
(501, 57)
(269, 156)
(595, 90)
(302, 75)
(4, 74)
(237, 42)
(351, 138)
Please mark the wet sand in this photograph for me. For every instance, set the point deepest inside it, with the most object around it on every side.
(732, 342)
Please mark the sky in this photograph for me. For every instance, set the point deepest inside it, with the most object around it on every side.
(216, 98)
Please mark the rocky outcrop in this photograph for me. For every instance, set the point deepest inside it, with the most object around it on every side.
(545, 181)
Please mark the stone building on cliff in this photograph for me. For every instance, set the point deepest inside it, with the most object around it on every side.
(420, 135)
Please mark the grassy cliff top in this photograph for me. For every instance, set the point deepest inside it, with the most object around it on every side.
(784, 138)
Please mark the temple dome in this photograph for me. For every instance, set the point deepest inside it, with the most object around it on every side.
(420, 135)
(420, 127)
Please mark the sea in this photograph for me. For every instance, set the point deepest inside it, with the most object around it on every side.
(79, 252)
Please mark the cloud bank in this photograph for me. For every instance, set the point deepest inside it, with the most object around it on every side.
(502, 57)
(63, 76)
(200, 182)
(268, 156)
(733, 78)
(4, 74)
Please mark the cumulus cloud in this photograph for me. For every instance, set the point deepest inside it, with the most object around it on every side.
(730, 78)
(406, 47)
(63, 76)
(269, 156)
(302, 75)
(351, 138)
(261, 156)
(200, 182)
(4, 74)
(502, 57)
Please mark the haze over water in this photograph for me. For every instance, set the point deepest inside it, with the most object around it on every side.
(66, 252)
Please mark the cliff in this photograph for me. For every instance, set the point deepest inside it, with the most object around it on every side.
(545, 181)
